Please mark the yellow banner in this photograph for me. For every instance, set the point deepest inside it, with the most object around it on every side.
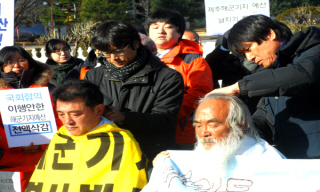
(107, 159)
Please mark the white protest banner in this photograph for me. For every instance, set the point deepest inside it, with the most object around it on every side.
(184, 171)
(221, 15)
(10, 181)
(27, 116)
(6, 23)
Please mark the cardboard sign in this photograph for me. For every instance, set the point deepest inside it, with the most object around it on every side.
(185, 171)
(10, 181)
(6, 23)
(27, 116)
(221, 15)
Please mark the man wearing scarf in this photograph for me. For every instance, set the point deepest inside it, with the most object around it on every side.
(141, 93)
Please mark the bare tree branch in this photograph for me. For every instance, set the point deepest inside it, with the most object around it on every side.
(145, 5)
(28, 10)
(82, 32)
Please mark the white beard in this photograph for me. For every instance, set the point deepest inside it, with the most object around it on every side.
(216, 159)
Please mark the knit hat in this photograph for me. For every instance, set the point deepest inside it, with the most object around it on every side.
(146, 41)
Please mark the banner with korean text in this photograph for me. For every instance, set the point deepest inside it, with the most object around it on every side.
(221, 15)
(184, 171)
(6, 23)
(27, 116)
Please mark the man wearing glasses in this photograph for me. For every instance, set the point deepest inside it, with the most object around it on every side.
(143, 94)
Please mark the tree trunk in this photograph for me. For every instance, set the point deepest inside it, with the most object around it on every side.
(76, 48)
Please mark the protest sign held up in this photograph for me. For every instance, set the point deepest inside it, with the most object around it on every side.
(27, 116)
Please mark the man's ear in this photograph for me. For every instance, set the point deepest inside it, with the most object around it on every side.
(99, 109)
(136, 45)
(272, 35)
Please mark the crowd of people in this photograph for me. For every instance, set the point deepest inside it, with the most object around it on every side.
(136, 96)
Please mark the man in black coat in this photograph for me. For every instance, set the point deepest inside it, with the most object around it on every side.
(288, 115)
(143, 94)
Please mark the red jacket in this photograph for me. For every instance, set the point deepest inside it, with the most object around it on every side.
(13, 158)
(186, 57)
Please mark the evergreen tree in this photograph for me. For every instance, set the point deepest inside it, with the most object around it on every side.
(62, 10)
(102, 10)
(194, 9)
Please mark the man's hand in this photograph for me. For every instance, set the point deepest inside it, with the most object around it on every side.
(230, 90)
(164, 154)
(114, 114)
(31, 148)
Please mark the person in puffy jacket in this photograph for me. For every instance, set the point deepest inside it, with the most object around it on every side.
(166, 29)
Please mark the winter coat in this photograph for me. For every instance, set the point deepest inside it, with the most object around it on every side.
(13, 158)
(186, 58)
(292, 121)
(76, 61)
(298, 72)
(150, 100)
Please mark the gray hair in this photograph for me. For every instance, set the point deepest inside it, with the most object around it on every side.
(239, 115)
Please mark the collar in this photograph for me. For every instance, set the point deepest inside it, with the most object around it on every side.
(160, 55)
(23, 81)
(276, 63)
(102, 122)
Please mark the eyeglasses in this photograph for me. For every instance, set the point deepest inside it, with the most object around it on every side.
(21, 62)
(117, 52)
(58, 51)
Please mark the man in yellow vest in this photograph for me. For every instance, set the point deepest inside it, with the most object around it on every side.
(88, 153)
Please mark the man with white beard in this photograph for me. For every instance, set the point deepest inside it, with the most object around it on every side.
(224, 128)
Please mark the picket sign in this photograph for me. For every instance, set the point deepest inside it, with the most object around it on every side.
(207, 48)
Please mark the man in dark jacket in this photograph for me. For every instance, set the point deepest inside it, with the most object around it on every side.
(289, 114)
(143, 94)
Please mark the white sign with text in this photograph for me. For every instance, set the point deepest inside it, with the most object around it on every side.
(27, 116)
(10, 181)
(221, 15)
(184, 171)
(6, 23)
